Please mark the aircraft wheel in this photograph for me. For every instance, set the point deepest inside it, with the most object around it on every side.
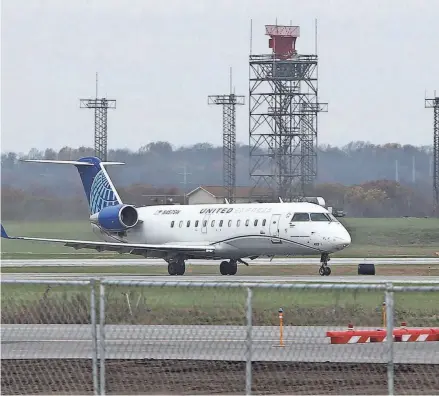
(224, 268)
(327, 271)
(172, 268)
(322, 271)
(233, 267)
(181, 268)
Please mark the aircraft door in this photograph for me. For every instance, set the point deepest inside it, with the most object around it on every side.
(274, 228)
(205, 223)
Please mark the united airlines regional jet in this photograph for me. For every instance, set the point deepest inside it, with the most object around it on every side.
(229, 233)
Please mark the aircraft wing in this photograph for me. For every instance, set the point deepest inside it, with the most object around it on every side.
(116, 246)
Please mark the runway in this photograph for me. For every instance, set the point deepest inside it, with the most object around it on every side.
(201, 342)
(17, 277)
(157, 262)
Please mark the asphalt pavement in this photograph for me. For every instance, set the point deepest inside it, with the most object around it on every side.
(262, 261)
(301, 344)
(221, 278)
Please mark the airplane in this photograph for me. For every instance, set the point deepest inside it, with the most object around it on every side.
(175, 233)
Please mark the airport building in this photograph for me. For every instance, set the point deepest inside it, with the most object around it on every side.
(217, 195)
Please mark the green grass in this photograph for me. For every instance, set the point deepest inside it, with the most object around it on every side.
(178, 305)
(64, 230)
(393, 236)
(370, 238)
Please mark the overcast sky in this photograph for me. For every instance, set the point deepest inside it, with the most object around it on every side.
(161, 59)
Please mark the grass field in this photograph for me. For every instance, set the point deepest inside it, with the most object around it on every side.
(186, 305)
(370, 238)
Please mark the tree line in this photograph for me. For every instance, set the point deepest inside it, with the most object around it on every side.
(361, 178)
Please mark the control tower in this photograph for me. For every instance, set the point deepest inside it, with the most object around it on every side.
(283, 109)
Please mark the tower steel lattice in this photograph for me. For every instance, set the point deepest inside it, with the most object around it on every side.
(101, 107)
(434, 103)
(229, 103)
(283, 109)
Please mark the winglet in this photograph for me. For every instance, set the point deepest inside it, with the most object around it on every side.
(4, 234)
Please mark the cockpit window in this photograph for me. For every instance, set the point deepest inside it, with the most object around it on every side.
(319, 217)
(332, 217)
(300, 217)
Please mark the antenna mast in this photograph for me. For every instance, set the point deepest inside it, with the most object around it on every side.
(229, 103)
(101, 107)
(434, 104)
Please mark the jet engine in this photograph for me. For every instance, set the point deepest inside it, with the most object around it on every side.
(116, 218)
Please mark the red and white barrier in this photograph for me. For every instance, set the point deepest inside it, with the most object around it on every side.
(351, 336)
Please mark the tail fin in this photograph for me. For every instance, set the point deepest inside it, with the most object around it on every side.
(98, 187)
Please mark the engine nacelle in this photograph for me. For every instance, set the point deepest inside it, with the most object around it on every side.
(116, 218)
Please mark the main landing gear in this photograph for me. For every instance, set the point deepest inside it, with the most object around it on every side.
(324, 270)
(177, 267)
(229, 267)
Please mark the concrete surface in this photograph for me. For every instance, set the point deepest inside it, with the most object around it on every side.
(201, 342)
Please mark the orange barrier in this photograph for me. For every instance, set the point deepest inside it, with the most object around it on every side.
(400, 335)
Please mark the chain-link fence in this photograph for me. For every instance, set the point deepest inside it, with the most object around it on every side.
(420, 373)
(48, 337)
(225, 337)
(236, 338)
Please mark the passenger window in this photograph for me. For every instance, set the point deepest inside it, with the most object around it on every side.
(181, 224)
(319, 217)
(246, 223)
(300, 217)
(213, 223)
(188, 224)
(256, 223)
(238, 223)
(263, 223)
(230, 223)
(204, 223)
(172, 224)
(196, 224)
(221, 223)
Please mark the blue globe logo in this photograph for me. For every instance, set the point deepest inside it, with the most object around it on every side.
(101, 194)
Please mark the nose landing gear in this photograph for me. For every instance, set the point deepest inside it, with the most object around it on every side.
(229, 267)
(324, 270)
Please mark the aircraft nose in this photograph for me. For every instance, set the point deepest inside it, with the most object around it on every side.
(344, 238)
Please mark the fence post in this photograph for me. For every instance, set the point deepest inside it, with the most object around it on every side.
(94, 337)
(389, 328)
(102, 337)
(248, 365)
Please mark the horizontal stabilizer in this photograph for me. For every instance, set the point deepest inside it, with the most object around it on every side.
(60, 162)
(112, 163)
(98, 187)
(73, 162)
